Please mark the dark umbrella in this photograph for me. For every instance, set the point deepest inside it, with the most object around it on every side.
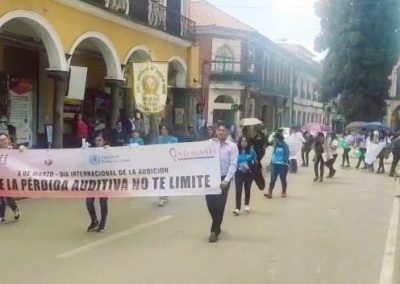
(376, 125)
(356, 125)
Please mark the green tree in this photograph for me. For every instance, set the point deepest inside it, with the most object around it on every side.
(361, 39)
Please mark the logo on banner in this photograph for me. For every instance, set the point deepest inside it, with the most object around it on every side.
(150, 86)
(94, 160)
(182, 155)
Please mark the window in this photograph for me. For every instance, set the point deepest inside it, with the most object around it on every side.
(224, 54)
(224, 99)
(251, 56)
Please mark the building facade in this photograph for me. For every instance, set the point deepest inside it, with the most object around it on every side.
(244, 74)
(307, 106)
(41, 40)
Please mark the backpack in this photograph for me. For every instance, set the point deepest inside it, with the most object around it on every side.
(278, 155)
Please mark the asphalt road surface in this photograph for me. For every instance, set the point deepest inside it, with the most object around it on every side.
(332, 232)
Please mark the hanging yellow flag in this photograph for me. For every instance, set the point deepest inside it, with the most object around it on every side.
(150, 82)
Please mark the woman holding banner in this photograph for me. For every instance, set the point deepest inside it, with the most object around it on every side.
(10, 201)
(95, 225)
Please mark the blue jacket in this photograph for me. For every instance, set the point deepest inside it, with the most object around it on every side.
(134, 140)
(247, 157)
(280, 153)
(167, 139)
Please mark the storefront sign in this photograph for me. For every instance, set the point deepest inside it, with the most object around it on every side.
(155, 170)
(150, 86)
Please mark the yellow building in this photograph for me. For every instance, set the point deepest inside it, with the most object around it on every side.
(41, 39)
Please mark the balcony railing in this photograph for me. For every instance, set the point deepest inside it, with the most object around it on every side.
(149, 13)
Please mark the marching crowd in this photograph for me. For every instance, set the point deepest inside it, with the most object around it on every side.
(240, 161)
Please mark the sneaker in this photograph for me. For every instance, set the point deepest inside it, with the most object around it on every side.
(17, 214)
(101, 228)
(93, 226)
(247, 208)
(2, 221)
(268, 195)
(236, 212)
(162, 202)
(213, 238)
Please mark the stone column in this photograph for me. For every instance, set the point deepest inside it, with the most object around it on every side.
(60, 91)
(115, 86)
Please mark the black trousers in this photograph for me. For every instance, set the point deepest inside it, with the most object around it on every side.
(329, 164)
(396, 158)
(103, 209)
(281, 171)
(345, 157)
(4, 201)
(319, 164)
(293, 166)
(216, 206)
(243, 180)
(305, 155)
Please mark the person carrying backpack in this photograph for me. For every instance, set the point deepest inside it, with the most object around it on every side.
(279, 165)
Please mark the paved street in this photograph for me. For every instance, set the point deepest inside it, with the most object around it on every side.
(333, 232)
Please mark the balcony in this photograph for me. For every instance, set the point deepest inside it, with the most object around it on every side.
(150, 13)
(233, 76)
(277, 90)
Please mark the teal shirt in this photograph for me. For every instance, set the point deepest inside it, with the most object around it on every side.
(245, 158)
(136, 140)
(167, 139)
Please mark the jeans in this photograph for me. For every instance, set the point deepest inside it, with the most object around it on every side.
(243, 180)
(4, 201)
(281, 171)
(103, 209)
(293, 166)
(329, 164)
(319, 162)
(305, 155)
(345, 157)
(216, 206)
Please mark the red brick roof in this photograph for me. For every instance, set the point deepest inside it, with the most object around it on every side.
(205, 14)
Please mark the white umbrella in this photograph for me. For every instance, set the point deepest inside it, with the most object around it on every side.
(250, 122)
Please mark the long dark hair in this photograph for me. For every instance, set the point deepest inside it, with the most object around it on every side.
(239, 144)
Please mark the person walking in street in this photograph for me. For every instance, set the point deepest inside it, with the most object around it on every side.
(229, 155)
(279, 165)
(260, 143)
(384, 141)
(164, 138)
(118, 136)
(243, 176)
(319, 159)
(395, 148)
(95, 225)
(349, 139)
(306, 149)
(362, 150)
(5, 143)
(333, 146)
(295, 142)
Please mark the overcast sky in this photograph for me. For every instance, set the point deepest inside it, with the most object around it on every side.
(293, 20)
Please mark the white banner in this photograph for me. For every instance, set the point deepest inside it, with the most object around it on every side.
(150, 86)
(156, 170)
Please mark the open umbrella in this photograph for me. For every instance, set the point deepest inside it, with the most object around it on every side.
(356, 125)
(376, 125)
(316, 127)
(250, 122)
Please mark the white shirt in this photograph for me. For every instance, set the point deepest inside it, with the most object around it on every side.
(229, 155)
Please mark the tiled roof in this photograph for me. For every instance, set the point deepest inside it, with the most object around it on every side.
(205, 14)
